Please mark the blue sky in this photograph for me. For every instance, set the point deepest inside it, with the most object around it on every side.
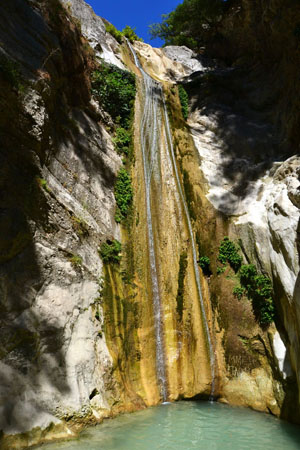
(135, 13)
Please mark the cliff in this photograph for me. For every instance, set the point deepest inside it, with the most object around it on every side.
(58, 167)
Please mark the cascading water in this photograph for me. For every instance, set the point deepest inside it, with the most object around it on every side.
(149, 144)
(195, 264)
(154, 117)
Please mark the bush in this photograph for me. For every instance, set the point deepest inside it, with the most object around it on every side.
(127, 32)
(228, 252)
(184, 101)
(238, 292)
(220, 270)
(115, 89)
(259, 290)
(123, 195)
(110, 251)
(204, 263)
(130, 34)
(122, 141)
(247, 274)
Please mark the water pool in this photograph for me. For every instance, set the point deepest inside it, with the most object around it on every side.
(185, 426)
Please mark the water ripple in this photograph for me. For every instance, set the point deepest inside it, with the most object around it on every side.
(188, 426)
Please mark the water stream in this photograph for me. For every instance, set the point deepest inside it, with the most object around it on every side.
(154, 116)
(186, 426)
(149, 134)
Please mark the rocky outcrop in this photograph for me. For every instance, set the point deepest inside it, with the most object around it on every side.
(93, 29)
(252, 181)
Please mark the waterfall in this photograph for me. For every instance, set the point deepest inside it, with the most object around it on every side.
(195, 264)
(154, 114)
(150, 121)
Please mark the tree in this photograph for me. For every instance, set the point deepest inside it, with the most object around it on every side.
(190, 24)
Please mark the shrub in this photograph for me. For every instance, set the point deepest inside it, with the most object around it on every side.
(204, 263)
(130, 34)
(228, 252)
(220, 270)
(127, 32)
(115, 89)
(238, 292)
(122, 140)
(184, 101)
(259, 290)
(110, 251)
(123, 195)
(247, 274)
(75, 260)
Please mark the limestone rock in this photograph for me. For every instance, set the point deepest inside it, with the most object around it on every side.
(93, 29)
(58, 168)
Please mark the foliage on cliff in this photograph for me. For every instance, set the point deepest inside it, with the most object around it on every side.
(259, 290)
(115, 89)
(127, 32)
(228, 252)
(123, 195)
(110, 251)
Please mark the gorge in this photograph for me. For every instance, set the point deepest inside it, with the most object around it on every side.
(146, 246)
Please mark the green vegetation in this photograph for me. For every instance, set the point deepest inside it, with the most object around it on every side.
(127, 32)
(115, 89)
(184, 101)
(228, 252)
(75, 260)
(80, 226)
(180, 292)
(238, 292)
(122, 141)
(204, 263)
(43, 184)
(123, 195)
(130, 34)
(110, 251)
(192, 23)
(10, 71)
(259, 290)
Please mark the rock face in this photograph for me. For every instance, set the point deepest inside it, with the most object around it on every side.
(58, 167)
(93, 29)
